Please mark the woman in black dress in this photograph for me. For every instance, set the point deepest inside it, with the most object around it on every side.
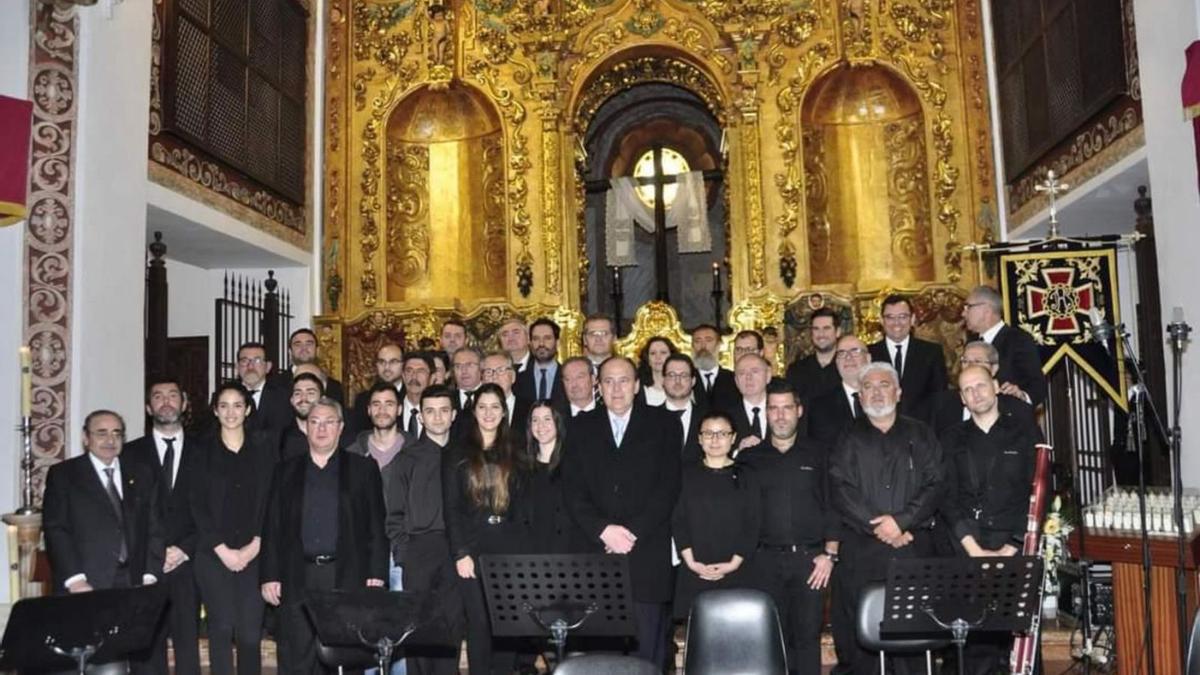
(229, 496)
(716, 520)
(553, 531)
(485, 489)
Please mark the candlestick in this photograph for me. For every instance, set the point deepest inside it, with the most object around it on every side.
(716, 267)
(26, 382)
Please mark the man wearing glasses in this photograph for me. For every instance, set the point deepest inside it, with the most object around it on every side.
(920, 363)
(598, 337)
(498, 369)
(947, 407)
(835, 409)
(272, 404)
(679, 379)
(467, 364)
(1020, 365)
(389, 369)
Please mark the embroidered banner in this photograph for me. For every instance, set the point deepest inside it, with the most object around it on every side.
(16, 120)
(1050, 294)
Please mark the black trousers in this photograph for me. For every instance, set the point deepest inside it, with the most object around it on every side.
(653, 620)
(296, 638)
(235, 609)
(180, 623)
(427, 567)
(482, 655)
(785, 577)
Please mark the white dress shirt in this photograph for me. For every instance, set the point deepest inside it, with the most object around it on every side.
(990, 334)
(408, 407)
(850, 397)
(685, 418)
(891, 350)
(705, 375)
(575, 410)
(619, 424)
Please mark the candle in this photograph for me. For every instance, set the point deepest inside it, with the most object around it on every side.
(716, 277)
(616, 278)
(26, 382)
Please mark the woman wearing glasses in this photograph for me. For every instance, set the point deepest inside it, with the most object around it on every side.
(716, 520)
(485, 490)
(229, 498)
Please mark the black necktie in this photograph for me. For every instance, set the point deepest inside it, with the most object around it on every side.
(412, 422)
(858, 410)
(543, 394)
(899, 360)
(470, 400)
(755, 422)
(168, 464)
(708, 378)
(114, 498)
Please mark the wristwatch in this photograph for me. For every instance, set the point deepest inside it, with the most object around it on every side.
(832, 555)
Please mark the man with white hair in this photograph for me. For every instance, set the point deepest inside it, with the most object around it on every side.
(885, 480)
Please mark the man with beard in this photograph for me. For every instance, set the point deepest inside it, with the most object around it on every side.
(579, 385)
(514, 340)
(389, 368)
(540, 382)
(834, 410)
(716, 384)
(886, 480)
(302, 348)
(416, 528)
(679, 378)
(816, 373)
(164, 452)
(498, 369)
(306, 390)
(418, 369)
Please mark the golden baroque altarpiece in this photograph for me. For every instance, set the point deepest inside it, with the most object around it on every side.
(858, 158)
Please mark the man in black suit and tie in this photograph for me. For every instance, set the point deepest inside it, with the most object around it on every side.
(921, 364)
(389, 368)
(101, 514)
(598, 337)
(579, 387)
(498, 369)
(302, 348)
(454, 336)
(621, 477)
(514, 339)
(418, 370)
(272, 409)
(714, 384)
(679, 379)
(752, 373)
(540, 381)
(323, 531)
(1020, 372)
(163, 451)
(837, 408)
(816, 373)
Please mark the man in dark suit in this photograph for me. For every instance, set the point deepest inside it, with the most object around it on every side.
(417, 372)
(948, 408)
(514, 340)
(752, 374)
(389, 368)
(816, 373)
(715, 385)
(302, 349)
(621, 478)
(1020, 372)
(498, 369)
(579, 387)
(540, 381)
(921, 364)
(834, 410)
(272, 411)
(164, 451)
(323, 531)
(679, 380)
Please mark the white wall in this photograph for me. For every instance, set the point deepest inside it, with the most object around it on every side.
(1162, 37)
(110, 210)
(14, 81)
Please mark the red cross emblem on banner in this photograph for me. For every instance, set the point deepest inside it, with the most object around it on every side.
(1060, 300)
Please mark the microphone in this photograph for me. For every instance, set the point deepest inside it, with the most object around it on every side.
(1178, 329)
(1101, 330)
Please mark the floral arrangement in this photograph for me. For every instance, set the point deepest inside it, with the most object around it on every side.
(1055, 531)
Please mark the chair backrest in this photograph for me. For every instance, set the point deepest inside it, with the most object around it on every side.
(1193, 651)
(870, 613)
(353, 658)
(734, 630)
(605, 664)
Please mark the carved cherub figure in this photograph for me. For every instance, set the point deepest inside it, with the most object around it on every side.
(439, 33)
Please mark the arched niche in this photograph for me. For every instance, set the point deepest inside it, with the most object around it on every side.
(866, 179)
(446, 205)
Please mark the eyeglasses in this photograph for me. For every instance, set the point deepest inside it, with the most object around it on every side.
(597, 333)
(969, 305)
(491, 372)
(715, 435)
(251, 360)
(852, 352)
(322, 423)
(974, 362)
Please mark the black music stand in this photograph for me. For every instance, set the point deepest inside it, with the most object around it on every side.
(585, 594)
(64, 631)
(373, 618)
(929, 596)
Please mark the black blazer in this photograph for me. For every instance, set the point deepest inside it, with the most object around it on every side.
(742, 421)
(209, 491)
(924, 374)
(83, 533)
(634, 485)
(274, 411)
(526, 384)
(518, 418)
(179, 528)
(691, 440)
(724, 394)
(1020, 362)
(827, 415)
(362, 546)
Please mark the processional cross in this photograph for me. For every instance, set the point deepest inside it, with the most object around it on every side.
(1052, 186)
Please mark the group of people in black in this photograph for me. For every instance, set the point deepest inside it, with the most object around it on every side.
(805, 486)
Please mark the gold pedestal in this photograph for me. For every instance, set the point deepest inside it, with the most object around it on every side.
(24, 536)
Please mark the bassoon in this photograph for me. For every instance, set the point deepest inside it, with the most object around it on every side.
(1024, 652)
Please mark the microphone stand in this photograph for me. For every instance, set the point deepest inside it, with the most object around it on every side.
(1178, 330)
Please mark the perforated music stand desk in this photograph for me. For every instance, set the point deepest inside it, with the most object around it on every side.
(71, 631)
(373, 619)
(930, 596)
(577, 594)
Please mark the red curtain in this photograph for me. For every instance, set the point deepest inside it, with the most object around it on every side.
(16, 118)
(1191, 94)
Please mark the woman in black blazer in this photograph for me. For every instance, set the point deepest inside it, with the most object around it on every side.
(229, 496)
(485, 489)
(552, 530)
